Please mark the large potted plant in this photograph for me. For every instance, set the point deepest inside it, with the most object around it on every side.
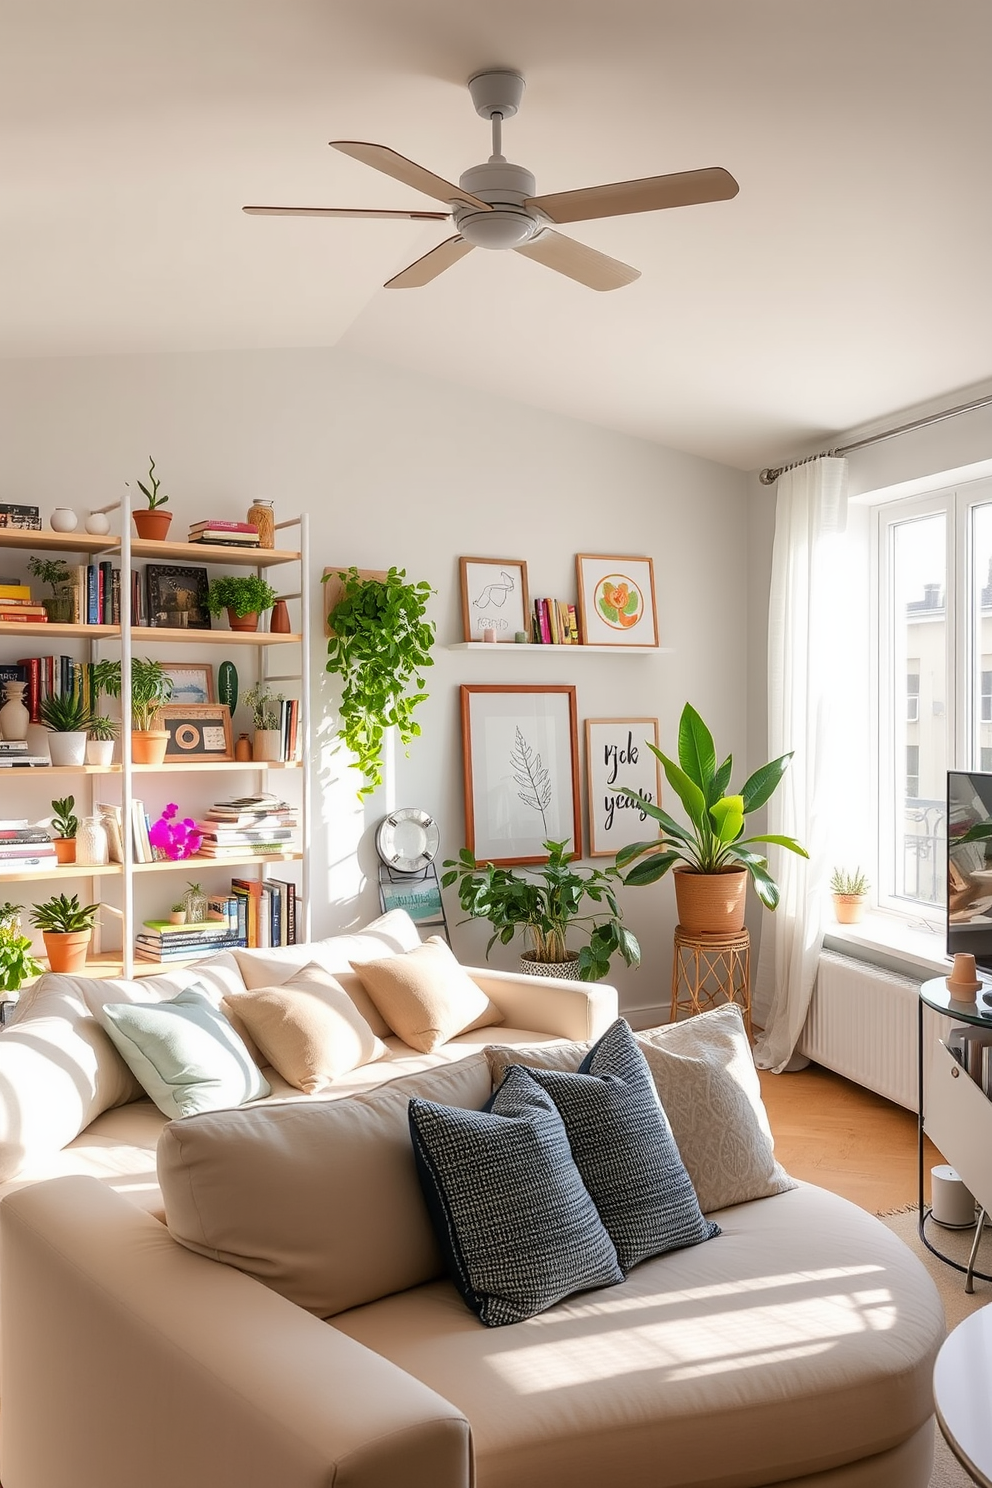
(67, 928)
(151, 689)
(380, 643)
(68, 719)
(16, 960)
(544, 904)
(243, 596)
(711, 857)
(152, 522)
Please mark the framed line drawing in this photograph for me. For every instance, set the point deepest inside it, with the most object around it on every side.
(494, 597)
(617, 755)
(177, 596)
(197, 732)
(192, 682)
(521, 766)
(617, 605)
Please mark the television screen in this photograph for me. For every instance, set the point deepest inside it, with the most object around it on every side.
(969, 866)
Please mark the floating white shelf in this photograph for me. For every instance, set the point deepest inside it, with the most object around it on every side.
(528, 646)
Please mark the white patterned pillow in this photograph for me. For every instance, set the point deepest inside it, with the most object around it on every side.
(705, 1077)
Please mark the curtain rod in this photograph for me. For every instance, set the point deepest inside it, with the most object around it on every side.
(771, 473)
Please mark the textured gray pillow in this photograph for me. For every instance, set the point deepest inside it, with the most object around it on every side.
(705, 1077)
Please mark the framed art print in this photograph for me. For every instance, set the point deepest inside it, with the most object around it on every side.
(177, 596)
(521, 764)
(617, 756)
(617, 604)
(192, 682)
(197, 732)
(494, 597)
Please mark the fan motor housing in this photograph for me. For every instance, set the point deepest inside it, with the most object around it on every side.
(506, 187)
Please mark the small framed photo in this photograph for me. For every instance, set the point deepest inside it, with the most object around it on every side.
(197, 732)
(617, 755)
(192, 682)
(617, 605)
(494, 597)
(177, 596)
(521, 770)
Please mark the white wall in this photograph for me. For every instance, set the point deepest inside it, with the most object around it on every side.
(397, 469)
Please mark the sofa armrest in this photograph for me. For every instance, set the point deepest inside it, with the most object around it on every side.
(571, 1010)
(127, 1359)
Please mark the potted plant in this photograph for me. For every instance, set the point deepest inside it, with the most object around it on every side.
(380, 644)
(544, 904)
(177, 915)
(16, 960)
(100, 735)
(57, 575)
(715, 857)
(151, 689)
(265, 716)
(66, 927)
(64, 825)
(152, 523)
(849, 891)
(67, 717)
(243, 596)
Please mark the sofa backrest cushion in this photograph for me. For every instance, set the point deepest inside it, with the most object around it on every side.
(320, 1200)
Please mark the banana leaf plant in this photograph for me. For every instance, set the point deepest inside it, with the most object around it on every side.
(714, 841)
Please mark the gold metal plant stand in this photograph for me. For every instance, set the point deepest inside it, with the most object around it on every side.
(710, 970)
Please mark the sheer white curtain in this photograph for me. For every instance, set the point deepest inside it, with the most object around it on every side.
(805, 714)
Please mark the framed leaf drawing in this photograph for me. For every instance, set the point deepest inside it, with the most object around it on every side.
(494, 597)
(521, 764)
(617, 604)
(617, 755)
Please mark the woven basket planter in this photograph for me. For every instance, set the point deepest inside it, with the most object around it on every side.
(710, 903)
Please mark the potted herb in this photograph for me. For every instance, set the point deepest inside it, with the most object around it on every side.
(64, 825)
(850, 891)
(67, 717)
(243, 596)
(153, 523)
(265, 716)
(380, 644)
(16, 960)
(715, 857)
(57, 575)
(151, 689)
(67, 928)
(100, 735)
(177, 915)
(544, 904)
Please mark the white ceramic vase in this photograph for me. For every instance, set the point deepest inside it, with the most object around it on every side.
(99, 751)
(98, 523)
(64, 519)
(67, 749)
(14, 716)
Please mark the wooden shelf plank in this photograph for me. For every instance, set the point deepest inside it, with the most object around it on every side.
(506, 647)
(60, 870)
(166, 635)
(60, 542)
(48, 628)
(212, 766)
(197, 862)
(213, 553)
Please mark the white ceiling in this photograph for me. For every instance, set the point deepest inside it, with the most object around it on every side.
(849, 279)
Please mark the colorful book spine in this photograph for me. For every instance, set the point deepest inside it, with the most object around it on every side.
(32, 672)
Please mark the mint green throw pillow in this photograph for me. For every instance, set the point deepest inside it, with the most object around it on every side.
(184, 1053)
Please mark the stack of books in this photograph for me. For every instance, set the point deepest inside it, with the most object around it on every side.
(266, 911)
(14, 516)
(16, 604)
(247, 825)
(161, 940)
(555, 623)
(24, 846)
(96, 594)
(224, 534)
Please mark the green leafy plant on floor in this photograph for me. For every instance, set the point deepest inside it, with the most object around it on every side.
(63, 916)
(243, 594)
(842, 881)
(544, 904)
(64, 822)
(379, 646)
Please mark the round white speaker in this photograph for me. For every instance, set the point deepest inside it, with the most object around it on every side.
(953, 1205)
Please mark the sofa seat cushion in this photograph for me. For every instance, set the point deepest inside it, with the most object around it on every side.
(803, 1340)
(118, 1148)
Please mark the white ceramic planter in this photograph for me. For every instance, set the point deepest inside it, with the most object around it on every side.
(64, 519)
(67, 749)
(99, 751)
(98, 523)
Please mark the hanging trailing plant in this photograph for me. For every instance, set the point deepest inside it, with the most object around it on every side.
(379, 646)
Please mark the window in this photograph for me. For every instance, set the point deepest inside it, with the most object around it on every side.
(934, 591)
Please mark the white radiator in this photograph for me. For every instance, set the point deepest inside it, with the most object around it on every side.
(862, 1024)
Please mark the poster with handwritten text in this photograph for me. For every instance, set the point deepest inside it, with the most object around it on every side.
(617, 756)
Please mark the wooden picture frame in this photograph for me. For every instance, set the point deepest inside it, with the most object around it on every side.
(617, 755)
(177, 596)
(617, 604)
(495, 596)
(192, 682)
(197, 732)
(521, 771)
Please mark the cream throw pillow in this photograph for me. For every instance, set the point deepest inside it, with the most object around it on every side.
(425, 996)
(705, 1077)
(308, 1028)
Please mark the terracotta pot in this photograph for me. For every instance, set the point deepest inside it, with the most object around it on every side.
(177, 917)
(849, 909)
(568, 969)
(65, 849)
(242, 622)
(67, 952)
(149, 748)
(711, 903)
(280, 622)
(153, 525)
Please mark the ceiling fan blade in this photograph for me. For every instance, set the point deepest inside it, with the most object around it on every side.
(344, 212)
(587, 265)
(652, 194)
(427, 268)
(381, 158)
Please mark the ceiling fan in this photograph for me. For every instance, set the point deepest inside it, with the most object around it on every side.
(494, 205)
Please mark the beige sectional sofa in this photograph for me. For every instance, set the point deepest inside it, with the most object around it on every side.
(293, 1328)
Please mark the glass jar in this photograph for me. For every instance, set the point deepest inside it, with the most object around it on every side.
(195, 902)
(260, 513)
(92, 842)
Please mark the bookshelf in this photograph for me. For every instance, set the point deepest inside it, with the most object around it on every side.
(264, 654)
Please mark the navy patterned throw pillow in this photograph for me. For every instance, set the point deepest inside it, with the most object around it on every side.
(514, 1222)
(624, 1149)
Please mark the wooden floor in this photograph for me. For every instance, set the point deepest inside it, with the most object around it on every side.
(846, 1139)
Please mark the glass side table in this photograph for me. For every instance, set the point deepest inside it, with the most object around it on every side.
(960, 1116)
